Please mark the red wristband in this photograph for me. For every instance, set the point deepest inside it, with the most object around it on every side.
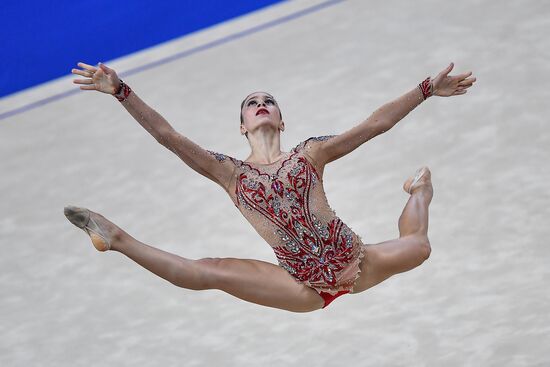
(123, 91)
(426, 87)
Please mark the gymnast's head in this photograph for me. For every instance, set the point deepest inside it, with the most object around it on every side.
(260, 111)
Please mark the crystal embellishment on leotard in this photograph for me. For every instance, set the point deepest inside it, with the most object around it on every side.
(220, 157)
(310, 249)
(276, 205)
(322, 138)
(319, 227)
(289, 243)
(277, 186)
(297, 169)
(313, 138)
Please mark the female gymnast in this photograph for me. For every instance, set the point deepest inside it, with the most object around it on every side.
(281, 194)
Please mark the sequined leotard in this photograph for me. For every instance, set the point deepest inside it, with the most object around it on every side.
(285, 203)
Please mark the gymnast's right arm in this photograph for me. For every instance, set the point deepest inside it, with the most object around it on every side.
(104, 79)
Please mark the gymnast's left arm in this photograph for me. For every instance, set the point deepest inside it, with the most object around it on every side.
(387, 116)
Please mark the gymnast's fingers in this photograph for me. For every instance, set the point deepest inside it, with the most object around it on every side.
(88, 87)
(459, 92)
(82, 72)
(87, 67)
(83, 81)
(467, 82)
(461, 77)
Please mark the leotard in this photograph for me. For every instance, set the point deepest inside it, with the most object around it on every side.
(285, 202)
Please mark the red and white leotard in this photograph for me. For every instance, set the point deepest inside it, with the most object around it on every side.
(286, 204)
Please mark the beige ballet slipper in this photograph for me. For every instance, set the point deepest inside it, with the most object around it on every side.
(418, 175)
(81, 218)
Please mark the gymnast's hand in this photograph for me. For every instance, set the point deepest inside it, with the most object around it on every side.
(446, 86)
(102, 79)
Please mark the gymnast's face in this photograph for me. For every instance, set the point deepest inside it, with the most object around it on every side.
(260, 109)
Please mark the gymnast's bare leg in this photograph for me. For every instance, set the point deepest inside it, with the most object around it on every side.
(411, 249)
(251, 280)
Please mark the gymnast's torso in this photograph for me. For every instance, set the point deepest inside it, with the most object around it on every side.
(285, 202)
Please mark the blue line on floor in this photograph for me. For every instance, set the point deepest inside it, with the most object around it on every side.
(181, 55)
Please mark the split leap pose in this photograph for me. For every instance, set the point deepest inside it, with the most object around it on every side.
(281, 194)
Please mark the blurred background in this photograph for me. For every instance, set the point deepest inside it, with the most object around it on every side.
(41, 40)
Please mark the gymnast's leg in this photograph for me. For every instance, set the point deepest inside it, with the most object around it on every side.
(251, 280)
(411, 249)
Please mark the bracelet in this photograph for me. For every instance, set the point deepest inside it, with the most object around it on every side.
(123, 91)
(427, 88)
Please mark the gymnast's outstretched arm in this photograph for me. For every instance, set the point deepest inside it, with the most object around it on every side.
(387, 116)
(104, 79)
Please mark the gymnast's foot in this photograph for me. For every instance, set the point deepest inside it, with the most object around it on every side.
(102, 232)
(421, 182)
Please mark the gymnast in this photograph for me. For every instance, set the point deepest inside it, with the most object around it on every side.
(281, 194)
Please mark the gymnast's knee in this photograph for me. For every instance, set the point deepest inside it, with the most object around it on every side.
(421, 249)
(425, 249)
